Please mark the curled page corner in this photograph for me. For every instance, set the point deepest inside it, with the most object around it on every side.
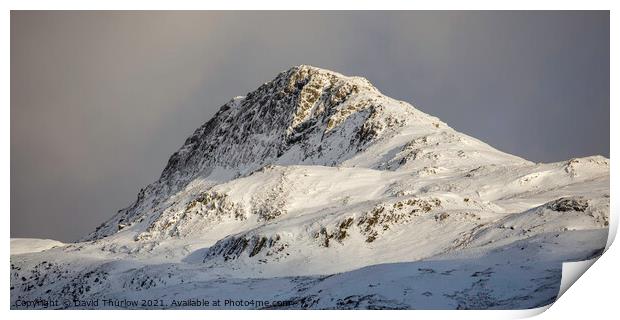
(571, 271)
(527, 313)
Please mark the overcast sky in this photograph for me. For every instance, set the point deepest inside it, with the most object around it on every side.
(100, 100)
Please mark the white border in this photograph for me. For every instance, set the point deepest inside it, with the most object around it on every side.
(594, 295)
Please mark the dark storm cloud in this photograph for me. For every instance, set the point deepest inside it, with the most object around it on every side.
(99, 100)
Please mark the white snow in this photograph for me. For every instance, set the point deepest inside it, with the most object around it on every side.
(29, 245)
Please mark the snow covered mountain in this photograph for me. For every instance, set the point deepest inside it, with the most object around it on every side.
(317, 190)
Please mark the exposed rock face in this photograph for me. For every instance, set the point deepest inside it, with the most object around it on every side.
(566, 204)
(306, 115)
(301, 107)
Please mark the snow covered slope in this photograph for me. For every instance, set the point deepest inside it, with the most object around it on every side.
(318, 190)
(26, 245)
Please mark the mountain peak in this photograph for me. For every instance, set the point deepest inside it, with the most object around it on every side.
(312, 70)
(301, 75)
(309, 116)
(309, 69)
(302, 106)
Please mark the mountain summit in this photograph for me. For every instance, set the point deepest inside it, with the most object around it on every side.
(310, 116)
(318, 190)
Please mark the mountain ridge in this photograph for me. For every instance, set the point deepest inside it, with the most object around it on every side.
(305, 115)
